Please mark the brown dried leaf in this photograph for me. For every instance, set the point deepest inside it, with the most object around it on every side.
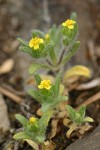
(77, 71)
(62, 105)
(39, 112)
(72, 128)
(7, 66)
(62, 114)
(84, 128)
(66, 121)
(32, 144)
(76, 130)
(49, 145)
(54, 128)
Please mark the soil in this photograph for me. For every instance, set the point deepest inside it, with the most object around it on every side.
(17, 19)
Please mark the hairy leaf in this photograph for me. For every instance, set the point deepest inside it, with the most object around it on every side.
(37, 33)
(88, 119)
(71, 112)
(37, 79)
(82, 111)
(35, 94)
(45, 119)
(53, 56)
(71, 52)
(56, 86)
(20, 136)
(73, 16)
(34, 67)
(21, 119)
(24, 43)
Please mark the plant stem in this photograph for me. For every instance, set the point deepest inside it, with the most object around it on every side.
(40, 147)
(61, 57)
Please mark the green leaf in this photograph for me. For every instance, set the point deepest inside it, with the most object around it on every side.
(37, 79)
(56, 38)
(53, 56)
(22, 42)
(61, 90)
(20, 136)
(52, 102)
(78, 119)
(53, 32)
(82, 111)
(35, 94)
(56, 87)
(35, 54)
(37, 33)
(71, 112)
(71, 52)
(66, 41)
(62, 98)
(41, 138)
(26, 49)
(44, 120)
(46, 106)
(73, 16)
(21, 119)
(48, 47)
(88, 119)
(34, 67)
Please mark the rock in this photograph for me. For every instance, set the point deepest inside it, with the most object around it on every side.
(4, 120)
(89, 142)
(7, 66)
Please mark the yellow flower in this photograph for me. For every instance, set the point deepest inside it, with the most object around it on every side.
(45, 84)
(35, 43)
(69, 24)
(47, 36)
(32, 119)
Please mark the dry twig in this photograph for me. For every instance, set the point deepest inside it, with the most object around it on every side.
(90, 100)
(11, 95)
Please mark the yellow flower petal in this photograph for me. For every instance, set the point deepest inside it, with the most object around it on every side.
(71, 27)
(48, 88)
(64, 24)
(40, 86)
(41, 41)
(36, 47)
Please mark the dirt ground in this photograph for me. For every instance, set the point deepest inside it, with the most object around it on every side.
(17, 19)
